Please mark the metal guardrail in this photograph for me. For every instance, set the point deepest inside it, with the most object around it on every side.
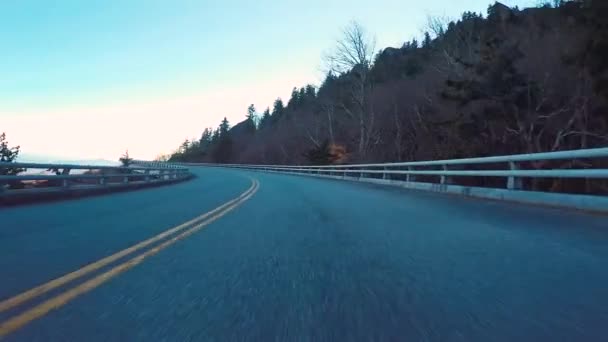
(445, 169)
(70, 177)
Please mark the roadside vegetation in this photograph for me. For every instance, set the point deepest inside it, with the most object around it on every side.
(9, 154)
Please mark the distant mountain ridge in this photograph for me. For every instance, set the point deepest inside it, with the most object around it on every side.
(47, 159)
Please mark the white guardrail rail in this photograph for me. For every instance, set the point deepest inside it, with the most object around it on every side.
(39, 179)
(439, 176)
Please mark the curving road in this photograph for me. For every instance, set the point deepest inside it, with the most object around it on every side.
(303, 259)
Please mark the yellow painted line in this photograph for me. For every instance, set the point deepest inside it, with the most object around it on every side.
(41, 289)
(40, 310)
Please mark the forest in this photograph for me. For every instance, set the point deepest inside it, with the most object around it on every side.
(510, 81)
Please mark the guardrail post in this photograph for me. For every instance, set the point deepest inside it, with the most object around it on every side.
(385, 175)
(125, 178)
(445, 179)
(514, 183)
(147, 177)
(66, 182)
(102, 180)
(4, 186)
(409, 177)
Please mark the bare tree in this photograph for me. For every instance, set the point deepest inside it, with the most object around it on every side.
(355, 48)
(352, 58)
(436, 25)
(542, 131)
(330, 122)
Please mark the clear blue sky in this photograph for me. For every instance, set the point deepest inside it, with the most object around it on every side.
(92, 78)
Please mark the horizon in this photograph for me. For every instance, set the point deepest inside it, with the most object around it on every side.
(144, 77)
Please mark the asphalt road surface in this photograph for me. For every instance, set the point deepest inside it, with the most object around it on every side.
(287, 258)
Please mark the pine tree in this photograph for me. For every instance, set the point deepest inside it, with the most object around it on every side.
(278, 108)
(216, 136)
(414, 44)
(265, 121)
(311, 91)
(206, 140)
(206, 137)
(302, 95)
(294, 101)
(223, 152)
(410, 46)
(224, 128)
(427, 40)
(251, 118)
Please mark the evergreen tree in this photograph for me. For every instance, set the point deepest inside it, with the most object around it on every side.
(410, 46)
(302, 95)
(184, 146)
(206, 140)
(223, 152)
(294, 101)
(216, 136)
(451, 26)
(492, 9)
(414, 44)
(206, 137)
(8, 155)
(265, 121)
(311, 91)
(125, 159)
(427, 40)
(330, 80)
(224, 128)
(278, 108)
(468, 15)
(251, 119)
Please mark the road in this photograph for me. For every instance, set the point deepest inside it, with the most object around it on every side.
(306, 259)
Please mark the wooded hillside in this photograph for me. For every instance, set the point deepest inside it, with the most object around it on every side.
(512, 81)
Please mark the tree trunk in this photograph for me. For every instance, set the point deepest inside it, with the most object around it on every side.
(330, 124)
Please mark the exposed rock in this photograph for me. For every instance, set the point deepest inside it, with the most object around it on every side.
(501, 12)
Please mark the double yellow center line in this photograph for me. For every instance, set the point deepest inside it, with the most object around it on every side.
(174, 234)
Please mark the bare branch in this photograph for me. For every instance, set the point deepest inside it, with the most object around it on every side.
(355, 48)
(437, 25)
